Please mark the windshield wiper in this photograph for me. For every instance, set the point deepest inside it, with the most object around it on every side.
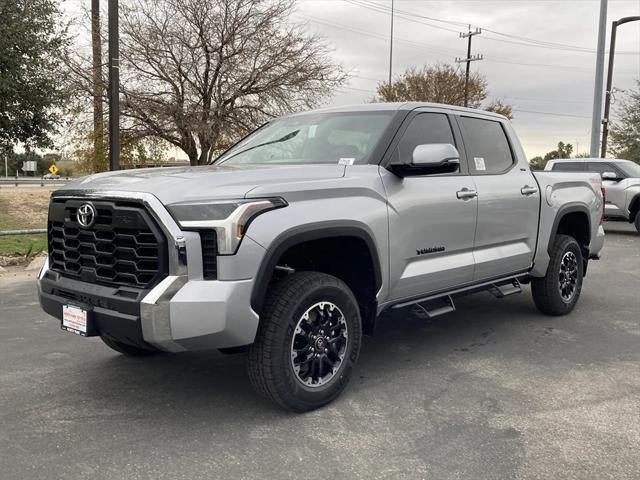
(288, 136)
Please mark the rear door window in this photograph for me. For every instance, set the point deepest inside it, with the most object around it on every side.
(487, 146)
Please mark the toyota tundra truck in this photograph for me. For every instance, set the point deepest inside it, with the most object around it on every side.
(291, 244)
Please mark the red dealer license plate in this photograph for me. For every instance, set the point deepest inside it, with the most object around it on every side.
(75, 320)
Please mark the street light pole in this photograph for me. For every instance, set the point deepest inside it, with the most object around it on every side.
(391, 45)
(114, 87)
(597, 89)
(609, 90)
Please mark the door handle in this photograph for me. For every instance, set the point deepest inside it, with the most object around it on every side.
(466, 194)
(527, 190)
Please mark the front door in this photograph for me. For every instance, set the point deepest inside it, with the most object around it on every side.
(431, 230)
(616, 189)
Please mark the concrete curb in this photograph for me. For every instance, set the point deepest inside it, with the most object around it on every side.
(36, 264)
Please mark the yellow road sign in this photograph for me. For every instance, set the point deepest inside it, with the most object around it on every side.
(53, 169)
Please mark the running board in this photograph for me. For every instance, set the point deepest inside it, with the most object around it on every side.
(505, 289)
(436, 307)
(504, 286)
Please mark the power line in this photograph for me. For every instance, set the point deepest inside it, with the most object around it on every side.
(553, 114)
(538, 99)
(431, 48)
(513, 39)
(421, 46)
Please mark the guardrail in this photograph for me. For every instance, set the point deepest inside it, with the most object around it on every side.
(31, 231)
(31, 181)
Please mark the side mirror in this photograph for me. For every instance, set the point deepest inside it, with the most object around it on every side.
(430, 159)
(609, 176)
(435, 155)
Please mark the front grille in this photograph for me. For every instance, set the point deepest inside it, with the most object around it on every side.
(123, 246)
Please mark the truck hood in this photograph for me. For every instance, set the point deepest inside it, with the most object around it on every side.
(175, 184)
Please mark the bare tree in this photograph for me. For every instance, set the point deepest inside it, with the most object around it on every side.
(201, 73)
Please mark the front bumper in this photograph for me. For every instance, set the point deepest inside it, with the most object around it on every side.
(183, 311)
(177, 315)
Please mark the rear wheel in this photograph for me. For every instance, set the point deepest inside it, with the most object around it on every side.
(637, 221)
(307, 343)
(558, 291)
(127, 349)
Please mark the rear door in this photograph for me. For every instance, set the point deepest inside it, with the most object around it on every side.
(508, 200)
(431, 230)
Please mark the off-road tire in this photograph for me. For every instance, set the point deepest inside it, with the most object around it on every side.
(546, 290)
(127, 349)
(269, 359)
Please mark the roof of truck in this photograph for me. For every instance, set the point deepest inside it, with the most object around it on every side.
(396, 106)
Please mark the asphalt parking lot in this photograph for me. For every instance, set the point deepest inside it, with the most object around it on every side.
(492, 391)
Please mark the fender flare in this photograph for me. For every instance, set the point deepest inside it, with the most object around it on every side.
(305, 233)
(562, 212)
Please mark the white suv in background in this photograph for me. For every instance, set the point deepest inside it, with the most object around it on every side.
(620, 179)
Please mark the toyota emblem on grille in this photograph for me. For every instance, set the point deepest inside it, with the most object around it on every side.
(86, 215)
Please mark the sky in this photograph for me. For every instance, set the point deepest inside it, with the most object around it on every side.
(550, 87)
(539, 55)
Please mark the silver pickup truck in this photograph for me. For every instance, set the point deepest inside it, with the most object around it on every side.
(620, 180)
(293, 242)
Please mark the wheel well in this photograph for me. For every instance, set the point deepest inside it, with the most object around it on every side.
(576, 225)
(347, 257)
(633, 208)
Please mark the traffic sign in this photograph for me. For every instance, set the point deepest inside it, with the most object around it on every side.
(53, 169)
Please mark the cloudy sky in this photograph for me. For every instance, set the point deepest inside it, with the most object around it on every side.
(550, 85)
(539, 55)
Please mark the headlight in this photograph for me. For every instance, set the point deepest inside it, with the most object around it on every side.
(229, 219)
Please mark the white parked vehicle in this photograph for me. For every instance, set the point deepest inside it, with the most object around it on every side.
(620, 179)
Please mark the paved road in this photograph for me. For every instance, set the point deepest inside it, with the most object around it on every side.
(493, 391)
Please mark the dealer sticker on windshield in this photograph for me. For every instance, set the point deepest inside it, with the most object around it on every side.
(479, 163)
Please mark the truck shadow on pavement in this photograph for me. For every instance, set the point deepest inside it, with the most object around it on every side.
(215, 385)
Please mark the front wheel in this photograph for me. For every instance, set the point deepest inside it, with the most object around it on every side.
(637, 221)
(558, 291)
(307, 343)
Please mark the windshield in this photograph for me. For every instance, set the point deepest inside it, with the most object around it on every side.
(347, 138)
(630, 169)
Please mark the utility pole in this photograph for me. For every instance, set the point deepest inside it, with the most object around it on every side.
(114, 87)
(609, 89)
(469, 35)
(98, 90)
(597, 90)
(391, 45)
